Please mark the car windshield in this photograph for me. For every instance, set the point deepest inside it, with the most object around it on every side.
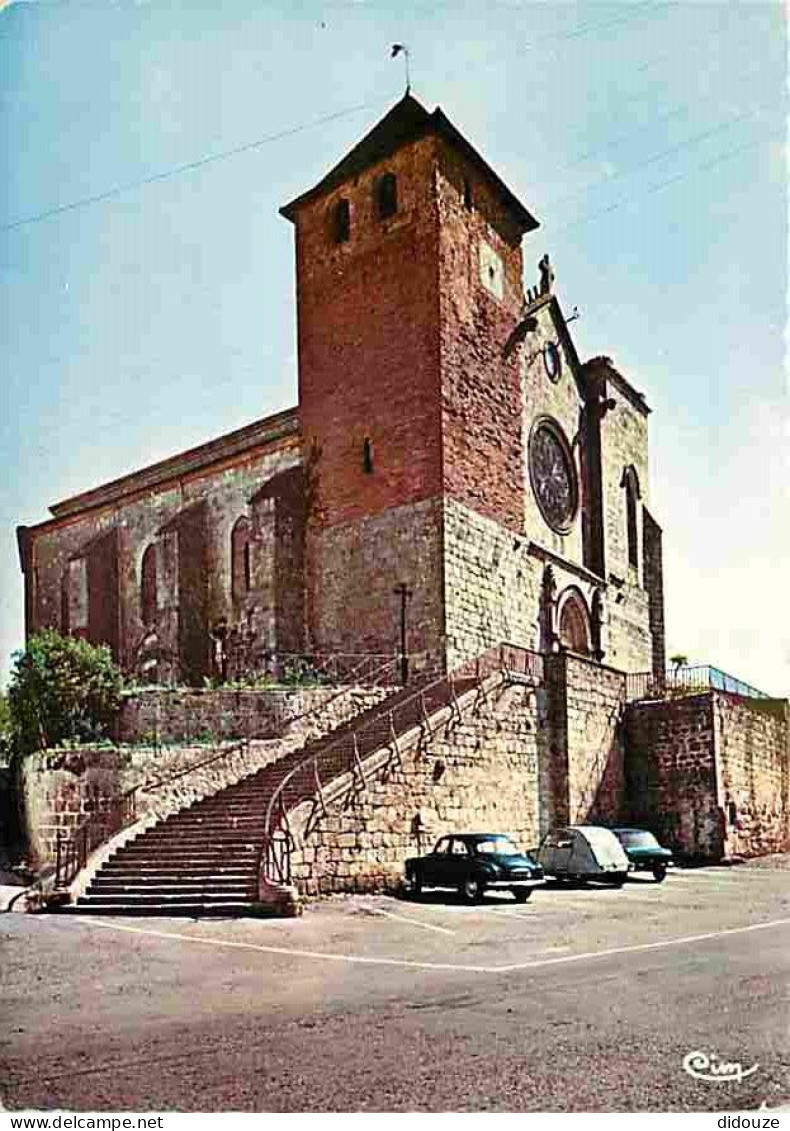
(497, 845)
(636, 838)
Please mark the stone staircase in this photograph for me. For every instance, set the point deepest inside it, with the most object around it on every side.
(205, 859)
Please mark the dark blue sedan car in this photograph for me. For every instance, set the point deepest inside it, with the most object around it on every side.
(473, 863)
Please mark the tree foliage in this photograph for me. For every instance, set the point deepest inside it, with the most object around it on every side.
(5, 729)
(62, 690)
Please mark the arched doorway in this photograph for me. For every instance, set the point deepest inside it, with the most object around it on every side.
(575, 624)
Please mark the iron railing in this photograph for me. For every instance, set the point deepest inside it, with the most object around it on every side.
(686, 680)
(323, 668)
(308, 778)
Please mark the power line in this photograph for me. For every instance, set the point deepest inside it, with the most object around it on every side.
(677, 147)
(177, 170)
(645, 10)
(720, 159)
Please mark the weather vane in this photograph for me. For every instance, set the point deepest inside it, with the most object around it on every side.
(400, 49)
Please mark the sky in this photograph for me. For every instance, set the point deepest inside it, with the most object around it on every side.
(649, 139)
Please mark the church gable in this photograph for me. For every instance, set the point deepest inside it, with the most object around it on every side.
(555, 491)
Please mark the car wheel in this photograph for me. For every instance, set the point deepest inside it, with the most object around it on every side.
(414, 884)
(472, 889)
(659, 872)
(522, 894)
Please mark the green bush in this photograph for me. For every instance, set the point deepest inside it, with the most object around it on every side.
(6, 743)
(62, 690)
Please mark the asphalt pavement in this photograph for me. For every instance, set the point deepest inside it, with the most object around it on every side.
(584, 999)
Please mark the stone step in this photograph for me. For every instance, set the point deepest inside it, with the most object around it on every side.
(193, 909)
(211, 869)
(184, 861)
(166, 899)
(215, 839)
(136, 889)
(202, 860)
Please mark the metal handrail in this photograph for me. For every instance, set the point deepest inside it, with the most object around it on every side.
(492, 660)
(688, 677)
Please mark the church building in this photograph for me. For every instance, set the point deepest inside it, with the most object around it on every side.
(450, 454)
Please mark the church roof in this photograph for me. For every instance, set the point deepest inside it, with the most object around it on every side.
(235, 443)
(407, 121)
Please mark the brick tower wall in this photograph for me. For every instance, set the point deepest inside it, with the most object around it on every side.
(368, 315)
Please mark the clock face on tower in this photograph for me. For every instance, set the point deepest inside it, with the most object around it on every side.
(553, 475)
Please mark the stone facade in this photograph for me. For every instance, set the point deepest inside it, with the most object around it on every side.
(587, 705)
(521, 759)
(146, 564)
(753, 773)
(709, 773)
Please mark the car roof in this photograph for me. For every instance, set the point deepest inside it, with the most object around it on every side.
(476, 836)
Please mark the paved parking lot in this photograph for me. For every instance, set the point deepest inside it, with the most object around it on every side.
(583, 998)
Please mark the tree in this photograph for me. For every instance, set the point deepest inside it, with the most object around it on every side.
(679, 660)
(62, 690)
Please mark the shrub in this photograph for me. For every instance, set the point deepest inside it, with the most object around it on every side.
(6, 744)
(62, 690)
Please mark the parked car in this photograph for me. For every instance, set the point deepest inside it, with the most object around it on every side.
(583, 852)
(473, 863)
(644, 852)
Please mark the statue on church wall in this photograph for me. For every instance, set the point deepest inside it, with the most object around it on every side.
(546, 276)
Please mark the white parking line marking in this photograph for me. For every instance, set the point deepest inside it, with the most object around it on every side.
(704, 874)
(412, 964)
(412, 922)
(705, 878)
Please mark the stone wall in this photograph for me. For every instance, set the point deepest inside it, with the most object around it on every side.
(585, 767)
(753, 773)
(479, 774)
(83, 568)
(481, 300)
(492, 587)
(653, 572)
(62, 788)
(710, 773)
(671, 774)
(352, 574)
(158, 715)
